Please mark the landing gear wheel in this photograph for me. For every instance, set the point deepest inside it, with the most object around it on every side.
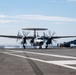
(40, 47)
(46, 47)
(24, 46)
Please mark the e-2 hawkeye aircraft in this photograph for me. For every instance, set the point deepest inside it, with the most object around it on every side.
(36, 40)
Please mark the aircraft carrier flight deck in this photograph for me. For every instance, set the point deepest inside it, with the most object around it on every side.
(57, 61)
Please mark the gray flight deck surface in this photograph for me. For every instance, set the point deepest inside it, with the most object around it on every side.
(57, 61)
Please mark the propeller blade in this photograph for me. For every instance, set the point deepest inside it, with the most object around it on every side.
(53, 33)
(25, 33)
(44, 34)
(55, 41)
(47, 35)
(49, 32)
(50, 37)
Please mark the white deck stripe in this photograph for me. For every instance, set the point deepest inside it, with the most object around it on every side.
(53, 55)
(60, 63)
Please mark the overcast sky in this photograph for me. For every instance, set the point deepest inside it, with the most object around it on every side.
(56, 15)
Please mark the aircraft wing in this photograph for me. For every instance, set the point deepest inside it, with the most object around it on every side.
(55, 37)
(58, 37)
(16, 37)
(10, 36)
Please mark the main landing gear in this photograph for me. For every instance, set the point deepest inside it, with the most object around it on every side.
(40, 47)
(24, 46)
(46, 46)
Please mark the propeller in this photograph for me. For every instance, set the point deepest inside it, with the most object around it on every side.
(24, 36)
(25, 33)
(50, 37)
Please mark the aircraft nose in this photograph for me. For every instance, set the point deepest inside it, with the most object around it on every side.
(42, 41)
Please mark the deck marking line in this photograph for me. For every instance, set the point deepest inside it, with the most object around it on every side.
(53, 55)
(48, 62)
